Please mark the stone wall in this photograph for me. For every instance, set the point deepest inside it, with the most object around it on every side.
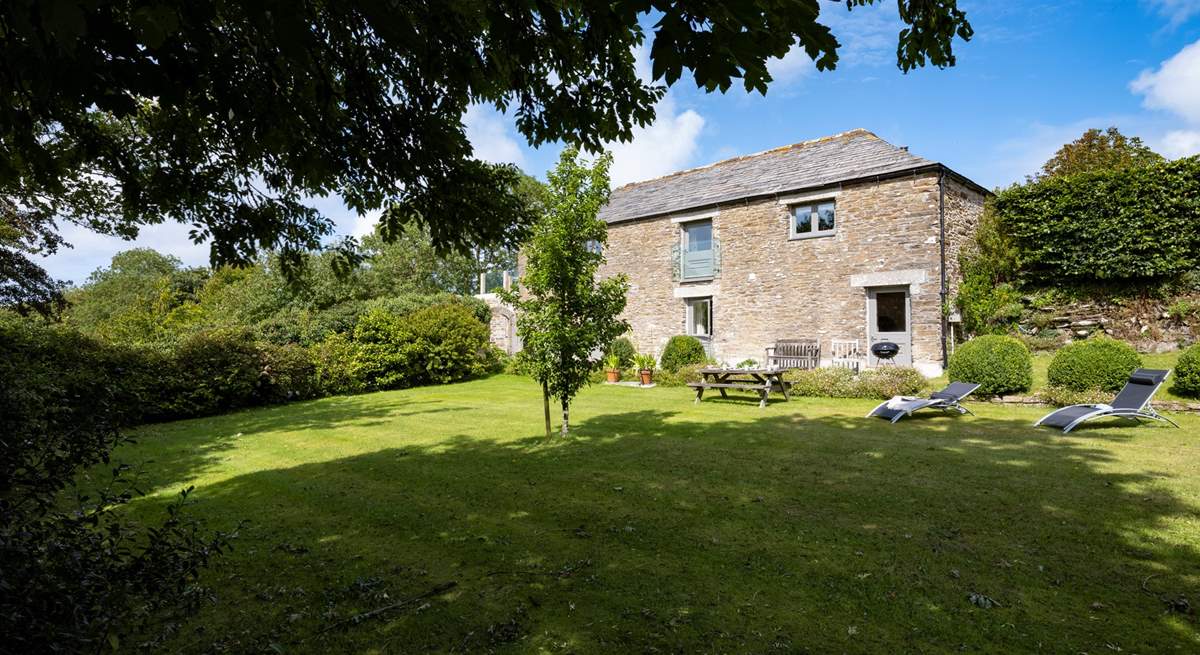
(769, 287)
(502, 328)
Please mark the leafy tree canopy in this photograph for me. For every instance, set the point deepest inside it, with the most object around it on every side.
(228, 115)
(1099, 150)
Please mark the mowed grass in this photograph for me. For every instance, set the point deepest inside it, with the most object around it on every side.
(664, 526)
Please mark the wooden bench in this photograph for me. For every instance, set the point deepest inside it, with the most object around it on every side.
(794, 353)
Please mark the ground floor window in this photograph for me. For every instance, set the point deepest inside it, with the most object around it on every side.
(699, 317)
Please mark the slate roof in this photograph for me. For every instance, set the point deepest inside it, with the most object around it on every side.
(809, 164)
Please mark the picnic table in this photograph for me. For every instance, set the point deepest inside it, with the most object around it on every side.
(760, 380)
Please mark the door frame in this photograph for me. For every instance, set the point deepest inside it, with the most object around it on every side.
(906, 347)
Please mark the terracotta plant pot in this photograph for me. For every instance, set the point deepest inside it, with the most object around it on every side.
(647, 375)
(614, 375)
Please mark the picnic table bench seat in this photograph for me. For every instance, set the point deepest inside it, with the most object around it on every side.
(760, 380)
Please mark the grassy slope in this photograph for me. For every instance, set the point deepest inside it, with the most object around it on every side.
(683, 528)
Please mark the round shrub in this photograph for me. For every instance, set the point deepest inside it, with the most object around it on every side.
(623, 349)
(1187, 373)
(999, 364)
(681, 351)
(1098, 363)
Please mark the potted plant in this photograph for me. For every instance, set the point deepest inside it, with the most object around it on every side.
(612, 364)
(645, 366)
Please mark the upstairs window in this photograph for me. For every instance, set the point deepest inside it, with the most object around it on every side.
(696, 247)
(815, 219)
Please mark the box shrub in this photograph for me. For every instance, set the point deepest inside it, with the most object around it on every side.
(682, 350)
(999, 364)
(623, 349)
(1099, 363)
(1187, 373)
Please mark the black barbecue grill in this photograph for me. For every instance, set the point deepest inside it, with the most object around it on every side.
(884, 351)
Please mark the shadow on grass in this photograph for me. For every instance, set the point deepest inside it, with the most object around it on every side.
(658, 531)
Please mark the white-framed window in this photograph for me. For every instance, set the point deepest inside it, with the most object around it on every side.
(593, 246)
(699, 317)
(813, 219)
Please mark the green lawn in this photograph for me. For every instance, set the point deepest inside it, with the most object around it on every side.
(664, 526)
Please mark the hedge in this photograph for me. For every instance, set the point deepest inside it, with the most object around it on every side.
(1100, 363)
(999, 364)
(1134, 223)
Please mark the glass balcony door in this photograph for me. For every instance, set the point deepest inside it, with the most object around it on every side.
(696, 250)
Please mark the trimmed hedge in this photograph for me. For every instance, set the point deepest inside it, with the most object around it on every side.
(682, 351)
(999, 364)
(1140, 222)
(1099, 363)
(1187, 373)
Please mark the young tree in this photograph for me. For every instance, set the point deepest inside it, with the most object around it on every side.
(1099, 151)
(566, 315)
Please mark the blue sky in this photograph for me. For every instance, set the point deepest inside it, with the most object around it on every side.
(1036, 75)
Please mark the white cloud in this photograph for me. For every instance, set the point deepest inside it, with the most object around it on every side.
(668, 144)
(1177, 12)
(92, 250)
(1180, 143)
(795, 65)
(488, 131)
(1175, 86)
(868, 34)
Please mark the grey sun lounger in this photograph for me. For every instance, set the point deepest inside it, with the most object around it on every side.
(1132, 403)
(947, 399)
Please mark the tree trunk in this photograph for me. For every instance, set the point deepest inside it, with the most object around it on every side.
(546, 406)
(566, 409)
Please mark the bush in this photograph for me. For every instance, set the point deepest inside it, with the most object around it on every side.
(1099, 363)
(78, 576)
(1187, 373)
(1133, 223)
(623, 349)
(887, 381)
(411, 303)
(682, 351)
(999, 364)
(288, 374)
(333, 363)
(212, 372)
(434, 345)
(833, 382)
(679, 377)
(836, 382)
